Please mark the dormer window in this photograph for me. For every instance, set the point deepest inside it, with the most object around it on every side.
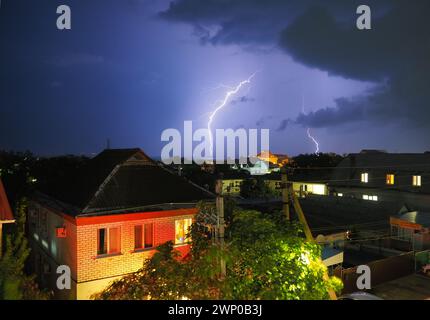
(364, 177)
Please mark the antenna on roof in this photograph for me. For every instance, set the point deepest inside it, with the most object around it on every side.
(107, 143)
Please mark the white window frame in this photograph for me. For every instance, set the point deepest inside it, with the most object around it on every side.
(108, 241)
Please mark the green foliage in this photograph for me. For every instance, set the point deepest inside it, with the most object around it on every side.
(266, 258)
(274, 261)
(256, 188)
(14, 283)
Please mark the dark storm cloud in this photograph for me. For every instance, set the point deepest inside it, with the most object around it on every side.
(396, 49)
(394, 54)
(234, 21)
(284, 124)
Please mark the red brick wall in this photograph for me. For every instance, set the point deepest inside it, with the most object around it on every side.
(90, 267)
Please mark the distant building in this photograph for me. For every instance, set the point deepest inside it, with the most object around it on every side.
(374, 175)
(6, 215)
(105, 219)
(232, 183)
(276, 159)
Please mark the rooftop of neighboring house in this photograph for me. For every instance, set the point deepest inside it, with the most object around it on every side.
(5, 210)
(415, 217)
(303, 175)
(328, 215)
(378, 164)
(120, 180)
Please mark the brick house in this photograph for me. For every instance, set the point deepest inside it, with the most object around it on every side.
(6, 215)
(106, 218)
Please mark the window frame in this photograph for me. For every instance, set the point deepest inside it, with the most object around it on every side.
(143, 247)
(364, 178)
(186, 240)
(108, 244)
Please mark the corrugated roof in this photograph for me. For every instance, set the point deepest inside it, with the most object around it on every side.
(120, 179)
(5, 210)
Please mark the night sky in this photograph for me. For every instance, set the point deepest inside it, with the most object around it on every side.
(130, 69)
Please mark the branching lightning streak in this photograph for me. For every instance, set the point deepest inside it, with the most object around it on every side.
(308, 130)
(222, 104)
(317, 146)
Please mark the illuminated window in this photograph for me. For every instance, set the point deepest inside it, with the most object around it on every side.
(181, 230)
(144, 236)
(318, 189)
(365, 177)
(416, 181)
(108, 241)
(340, 194)
(371, 198)
(390, 179)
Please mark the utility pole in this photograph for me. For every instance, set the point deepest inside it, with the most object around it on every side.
(308, 234)
(221, 222)
(285, 191)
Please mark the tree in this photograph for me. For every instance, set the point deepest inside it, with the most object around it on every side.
(274, 261)
(266, 259)
(256, 188)
(14, 283)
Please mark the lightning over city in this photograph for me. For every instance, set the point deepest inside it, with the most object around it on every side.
(222, 104)
(308, 130)
(171, 151)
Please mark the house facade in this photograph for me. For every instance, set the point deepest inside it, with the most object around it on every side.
(380, 176)
(6, 215)
(107, 220)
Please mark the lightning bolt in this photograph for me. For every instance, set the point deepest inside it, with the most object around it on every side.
(308, 130)
(222, 104)
(317, 145)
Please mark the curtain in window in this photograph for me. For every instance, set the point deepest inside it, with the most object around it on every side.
(114, 240)
(138, 235)
(149, 236)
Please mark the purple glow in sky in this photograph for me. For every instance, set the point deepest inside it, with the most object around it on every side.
(130, 69)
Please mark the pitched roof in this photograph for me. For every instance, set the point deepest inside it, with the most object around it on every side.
(416, 217)
(378, 165)
(5, 211)
(123, 180)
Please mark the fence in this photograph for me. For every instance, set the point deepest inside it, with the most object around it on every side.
(381, 271)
